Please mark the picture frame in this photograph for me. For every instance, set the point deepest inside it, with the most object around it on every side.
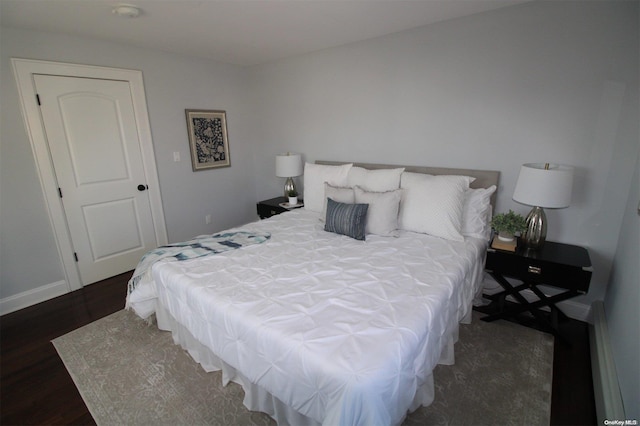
(208, 141)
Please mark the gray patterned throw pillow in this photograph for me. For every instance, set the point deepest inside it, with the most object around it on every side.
(346, 219)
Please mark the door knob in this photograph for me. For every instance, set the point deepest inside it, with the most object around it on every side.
(143, 187)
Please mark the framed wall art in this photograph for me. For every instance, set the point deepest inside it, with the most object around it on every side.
(208, 141)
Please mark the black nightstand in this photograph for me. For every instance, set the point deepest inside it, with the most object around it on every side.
(562, 266)
(271, 207)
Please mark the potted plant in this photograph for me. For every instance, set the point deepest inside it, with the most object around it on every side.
(508, 224)
(293, 197)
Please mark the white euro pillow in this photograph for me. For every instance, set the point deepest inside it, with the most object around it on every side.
(476, 213)
(379, 180)
(315, 175)
(382, 217)
(337, 194)
(433, 204)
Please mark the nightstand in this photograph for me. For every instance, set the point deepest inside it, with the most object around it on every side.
(564, 267)
(272, 207)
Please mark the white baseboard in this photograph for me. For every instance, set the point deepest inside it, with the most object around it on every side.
(609, 405)
(31, 297)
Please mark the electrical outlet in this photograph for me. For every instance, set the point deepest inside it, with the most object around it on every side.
(176, 156)
(207, 219)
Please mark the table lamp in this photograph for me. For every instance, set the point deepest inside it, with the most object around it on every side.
(289, 165)
(542, 185)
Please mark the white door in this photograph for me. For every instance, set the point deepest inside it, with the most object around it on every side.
(91, 130)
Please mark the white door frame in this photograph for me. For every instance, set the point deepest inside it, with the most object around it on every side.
(23, 71)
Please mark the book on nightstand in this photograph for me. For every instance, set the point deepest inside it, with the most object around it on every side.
(498, 244)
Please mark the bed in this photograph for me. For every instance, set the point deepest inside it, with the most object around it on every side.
(323, 324)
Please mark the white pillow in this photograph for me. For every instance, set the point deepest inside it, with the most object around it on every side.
(433, 204)
(337, 194)
(379, 180)
(382, 217)
(476, 213)
(315, 175)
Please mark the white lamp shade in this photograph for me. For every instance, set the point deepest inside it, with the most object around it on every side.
(541, 187)
(288, 165)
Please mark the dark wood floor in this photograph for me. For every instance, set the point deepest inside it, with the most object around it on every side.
(36, 388)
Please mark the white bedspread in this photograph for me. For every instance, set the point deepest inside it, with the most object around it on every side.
(342, 331)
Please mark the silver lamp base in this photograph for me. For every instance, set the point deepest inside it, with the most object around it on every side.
(536, 233)
(288, 186)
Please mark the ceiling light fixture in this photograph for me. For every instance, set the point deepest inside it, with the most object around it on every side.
(127, 10)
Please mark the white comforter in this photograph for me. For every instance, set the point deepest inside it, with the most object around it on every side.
(342, 331)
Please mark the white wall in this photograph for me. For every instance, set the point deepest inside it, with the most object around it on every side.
(542, 81)
(621, 303)
(29, 259)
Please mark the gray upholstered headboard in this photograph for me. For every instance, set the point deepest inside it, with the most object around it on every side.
(484, 178)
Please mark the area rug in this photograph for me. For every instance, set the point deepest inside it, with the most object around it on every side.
(129, 372)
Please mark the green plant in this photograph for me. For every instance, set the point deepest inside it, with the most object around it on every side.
(292, 193)
(510, 222)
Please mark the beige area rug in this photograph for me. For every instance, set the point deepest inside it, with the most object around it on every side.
(131, 373)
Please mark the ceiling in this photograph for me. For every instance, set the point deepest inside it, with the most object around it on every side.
(242, 32)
